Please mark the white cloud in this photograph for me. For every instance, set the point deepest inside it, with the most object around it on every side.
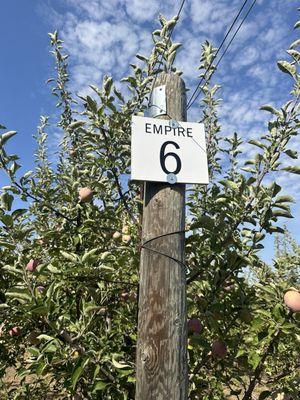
(141, 11)
(103, 37)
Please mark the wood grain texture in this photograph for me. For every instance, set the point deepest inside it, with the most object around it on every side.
(161, 362)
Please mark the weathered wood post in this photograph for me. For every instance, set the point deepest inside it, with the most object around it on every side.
(161, 361)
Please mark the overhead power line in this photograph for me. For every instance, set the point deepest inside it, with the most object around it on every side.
(219, 48)
(199, 87)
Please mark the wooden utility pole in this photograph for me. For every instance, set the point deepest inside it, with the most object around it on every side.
(161, 362)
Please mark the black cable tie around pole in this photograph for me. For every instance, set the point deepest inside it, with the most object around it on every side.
(143, 246)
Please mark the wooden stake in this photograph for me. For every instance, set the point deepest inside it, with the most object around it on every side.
(161, 361)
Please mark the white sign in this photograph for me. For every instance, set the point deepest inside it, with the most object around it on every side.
(168, 151)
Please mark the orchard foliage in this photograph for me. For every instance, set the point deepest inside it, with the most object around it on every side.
(68, 323)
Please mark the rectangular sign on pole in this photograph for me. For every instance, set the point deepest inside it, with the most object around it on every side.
(168, 151)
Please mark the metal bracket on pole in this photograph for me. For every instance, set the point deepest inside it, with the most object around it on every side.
(158, 102)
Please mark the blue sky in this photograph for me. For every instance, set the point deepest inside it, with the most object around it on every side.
(102, 38)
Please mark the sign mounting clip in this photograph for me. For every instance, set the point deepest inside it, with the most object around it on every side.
(158, 102)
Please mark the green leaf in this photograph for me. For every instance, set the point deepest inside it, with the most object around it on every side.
(92, 104)
(34, 351)
(275, 189)
(268, 289)
(284, 199)
(293, 170)
(69, 256)
(297, 25)
(174, 47)
(9, 246)
(269, 108)
(27, 175)
(254, 359)
(203, 222)
(7, 220)
(6, 136)
(248, 169)
(257, 143)
(7, 200)
(107, 85)
(295, 54)
(76, 124)
(257, 323)
(276, 229)
(53, 269)
(88, 255)
(46, 337)
(19, 294)
(265, 395)
(171, 58)
(14, 167)
(119, 95)
(282, 213)
(78, 371)
(292, 153)
(296, 43)
(229, 184)
(118, 365)
(288, 328)
(277, 312)
(141, 57)
(99, 386)
(50, 348)
(12, 269)
(41, 310)
(287, 68)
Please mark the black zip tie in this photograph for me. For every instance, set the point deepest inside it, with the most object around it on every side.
(143, 246)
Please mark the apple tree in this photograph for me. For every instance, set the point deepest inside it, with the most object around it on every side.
(69, 258)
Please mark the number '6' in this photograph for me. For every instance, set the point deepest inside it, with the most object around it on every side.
(163, 157)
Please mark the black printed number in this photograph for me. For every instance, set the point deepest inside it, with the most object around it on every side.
(164, 156)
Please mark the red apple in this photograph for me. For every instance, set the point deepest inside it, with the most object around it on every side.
(128, 296)
(85, 195)
(292, 300)
(228, 286)
(73, 153)
(117, 235)
(126, 238)
(219, 349)
(125, 230)
(194, 325)
(32, 265)
(15, 331)
(132, 296)
(124, 296)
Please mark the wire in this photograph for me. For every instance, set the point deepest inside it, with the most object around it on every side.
(179, 125)
(219, 48)
(223, 54)
(143, 246)
(162, 56)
